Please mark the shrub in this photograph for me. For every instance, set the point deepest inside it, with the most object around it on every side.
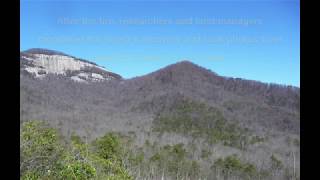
(232, 166)
(45, 156)
(205, 153)
(40, 149)
(77, 170)
(108, 146)
(276, 164)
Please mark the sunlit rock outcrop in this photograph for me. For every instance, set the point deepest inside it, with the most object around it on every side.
(40, 62)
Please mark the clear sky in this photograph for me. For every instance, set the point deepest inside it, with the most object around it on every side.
(251, 39)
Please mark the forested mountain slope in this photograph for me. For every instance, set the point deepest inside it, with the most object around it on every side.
(179, 104)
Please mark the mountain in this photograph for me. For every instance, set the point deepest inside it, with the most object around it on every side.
(245, 101)
(41, 62)
(181, 103)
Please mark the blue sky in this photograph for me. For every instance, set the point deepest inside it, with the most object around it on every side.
(258, 40)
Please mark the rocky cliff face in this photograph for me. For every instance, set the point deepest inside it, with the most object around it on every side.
(40, 62)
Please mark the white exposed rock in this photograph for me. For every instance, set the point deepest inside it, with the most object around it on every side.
(76, 78)
(59, 64)
(43, 64)
(27, 58)
(32, 70)
(97, 76)
(85, 75)
(35, 71)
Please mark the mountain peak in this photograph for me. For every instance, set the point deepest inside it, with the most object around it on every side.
(185, 63)
(186, 68)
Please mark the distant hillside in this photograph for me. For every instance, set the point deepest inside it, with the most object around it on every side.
(181, 103)
(267, 105)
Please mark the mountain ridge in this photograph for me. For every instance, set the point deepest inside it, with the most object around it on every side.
(185, 63)
(182, 103)
(159, 91)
